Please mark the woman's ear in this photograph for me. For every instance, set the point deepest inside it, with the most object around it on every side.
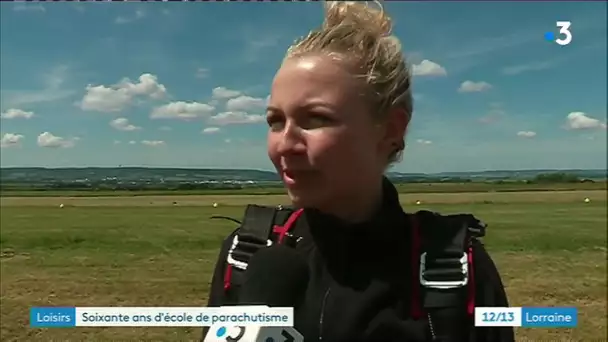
(397, 122)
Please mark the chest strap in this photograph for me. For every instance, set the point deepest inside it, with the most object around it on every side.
(443, 273)
(262, 226)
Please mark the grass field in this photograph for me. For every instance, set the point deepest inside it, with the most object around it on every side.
(550, 248)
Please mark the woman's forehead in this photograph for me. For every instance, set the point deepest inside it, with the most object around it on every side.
(323, 78)
(320, 69)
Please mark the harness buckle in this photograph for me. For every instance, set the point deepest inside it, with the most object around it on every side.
(237, 263)
(462, 271)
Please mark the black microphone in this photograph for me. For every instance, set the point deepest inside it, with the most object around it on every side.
(276, 276)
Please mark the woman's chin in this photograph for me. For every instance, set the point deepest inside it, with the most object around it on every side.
(302, 198)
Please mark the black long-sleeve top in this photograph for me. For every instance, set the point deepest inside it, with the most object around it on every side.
(360, 280)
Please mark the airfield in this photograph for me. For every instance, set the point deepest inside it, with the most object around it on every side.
(137, 249)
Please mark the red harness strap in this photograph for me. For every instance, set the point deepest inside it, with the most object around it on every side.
(284, 229)
(277, 229)
(416, 310)
(227, 277)
(471, 297)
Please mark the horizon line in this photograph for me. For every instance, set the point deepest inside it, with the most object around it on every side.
(272, 171)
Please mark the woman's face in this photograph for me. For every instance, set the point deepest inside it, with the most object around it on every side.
(322, 137)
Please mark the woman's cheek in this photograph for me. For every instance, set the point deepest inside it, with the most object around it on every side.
(272, 149)
(321, 142)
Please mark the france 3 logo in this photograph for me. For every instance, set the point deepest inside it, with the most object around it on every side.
(233, 334)
(564, 35)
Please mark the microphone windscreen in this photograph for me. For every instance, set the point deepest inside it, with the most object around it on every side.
(276, 276)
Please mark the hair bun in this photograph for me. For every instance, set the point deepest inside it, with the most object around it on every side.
(358, 15)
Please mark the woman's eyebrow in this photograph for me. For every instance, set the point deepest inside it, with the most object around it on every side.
(272, 109)
(318, 104)
(310, 106)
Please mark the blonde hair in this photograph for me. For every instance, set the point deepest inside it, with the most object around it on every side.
(361, 34)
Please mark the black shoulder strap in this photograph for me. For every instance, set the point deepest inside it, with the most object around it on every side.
(445, 273)
(258, 222)
(255, 232)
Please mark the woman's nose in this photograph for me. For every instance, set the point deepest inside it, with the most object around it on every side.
(291, 140)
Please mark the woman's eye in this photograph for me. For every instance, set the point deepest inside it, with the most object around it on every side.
(317, 121)
(275, 124)
(314, 121)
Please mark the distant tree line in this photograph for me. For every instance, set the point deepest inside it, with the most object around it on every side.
(557, 177)
(544, 178)
(131, 186)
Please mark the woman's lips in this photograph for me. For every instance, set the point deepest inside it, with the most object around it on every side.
(292, 177)
(288, 177)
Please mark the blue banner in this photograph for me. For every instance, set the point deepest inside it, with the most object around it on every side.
(549, 317)
(44, 317)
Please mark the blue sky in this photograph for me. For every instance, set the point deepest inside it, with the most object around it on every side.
(185, 84)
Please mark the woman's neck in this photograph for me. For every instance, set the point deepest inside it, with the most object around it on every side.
(357, 206)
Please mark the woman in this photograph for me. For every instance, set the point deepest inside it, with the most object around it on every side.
(339, 108)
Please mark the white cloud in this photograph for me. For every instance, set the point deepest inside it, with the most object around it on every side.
(526, 134)
(211, 130)
(424, 142)
(231, 118)
(47, 139)
(52, 91)
(224, 93)
(132, 142)
(165, 128)
(182, 110)
(245, 104)
(117, 142)
(56, 77)
(19, 98)
(257, 43)
(117, 97)
(533, 66)
(125, 20)
(105, 99)
(494, 44)
(15, 113)
(122, 124)
(11, 140)
(264, 41)
(428, 68)
(227, 141)
(153, 143)
(473, 87)
(580, 120)
(202, 73)
(28, 8)
(495, 114)
(490, 118)
(148, 86)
